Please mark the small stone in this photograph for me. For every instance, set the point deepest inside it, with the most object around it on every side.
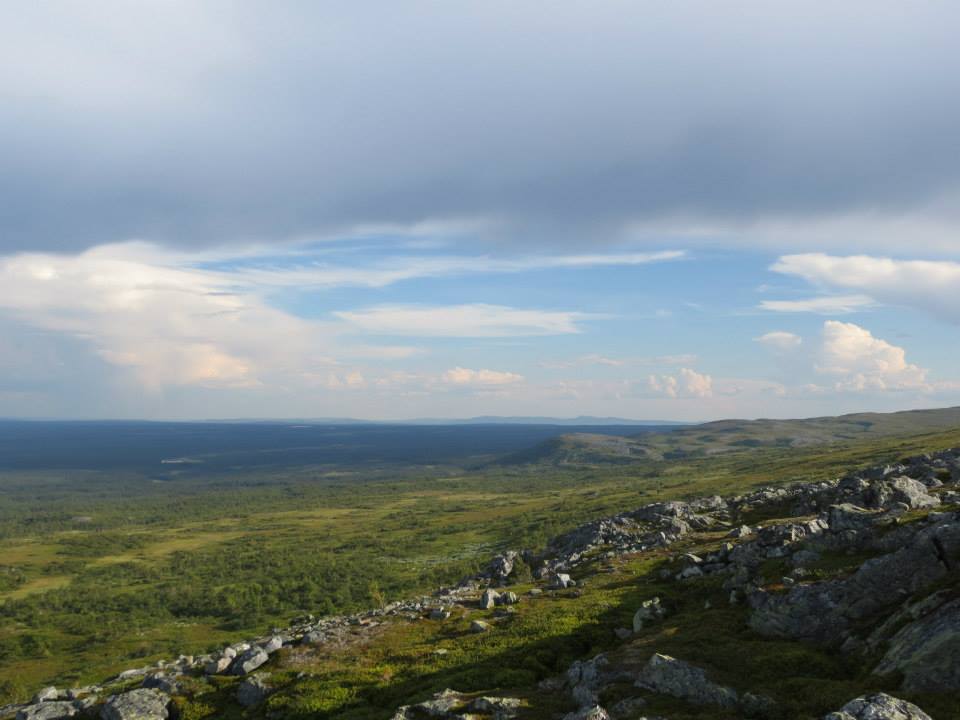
(479, 626)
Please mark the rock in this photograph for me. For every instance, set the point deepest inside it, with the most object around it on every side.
(878, 707)
(47, 710)
(479, 626)
(141, 704)
(499, 708)
(626, 708)
(489, 599)
(927, 652)
(535, 592)
(439, 614)
(902, 489)
(161, 681)
(272, 645)
(509, 598)
(502, 565)
(253, 690)
(218, 665)
(561, 581)
(649, 611)
(249, 661)
(739, 532)
(669, 676)
(622, 633)
(45, 695)
(847, 517)
(591, 713)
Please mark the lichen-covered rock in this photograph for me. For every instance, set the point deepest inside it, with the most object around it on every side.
(669, 676)
(878, 707)
(248, 661)
(140, 704)
(253, 690)
(489, 599)
(47, 710)
(649, 611)
(589, 713)
(927, 652)
(498, 708)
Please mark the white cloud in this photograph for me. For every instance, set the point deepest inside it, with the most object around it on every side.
(931, 286)
(686, 384)
(828, 305)
(400, 269)
(482, 378)
(476, 320)
(863, 362)
(780, 341)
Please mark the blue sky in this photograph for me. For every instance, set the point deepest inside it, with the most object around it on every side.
(448, 210)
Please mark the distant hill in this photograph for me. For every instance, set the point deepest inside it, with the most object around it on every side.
(727, 436)
(524, 420)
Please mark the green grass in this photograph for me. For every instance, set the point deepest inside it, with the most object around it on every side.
(151, 571)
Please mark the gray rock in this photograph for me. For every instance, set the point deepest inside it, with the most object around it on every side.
(141, 704)
(47, 694)
(499, 708)
(249, 661)
(900, 489)
(163, 682)
(253, 690)
(626, 708)
(878, 707)
(509, 598)
(479, 626)
(47, 710)
(650, 610)
(218, 665)
(669, 676)
(590, 713)
(489, 599)
(927, 652)
(272, 645)
(561, 581)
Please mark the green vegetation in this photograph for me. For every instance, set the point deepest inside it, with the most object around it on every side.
(100, 572)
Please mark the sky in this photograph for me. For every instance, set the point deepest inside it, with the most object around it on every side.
(664, 211)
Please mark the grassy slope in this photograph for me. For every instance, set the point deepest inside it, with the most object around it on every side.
(726, 436)
(133, 588)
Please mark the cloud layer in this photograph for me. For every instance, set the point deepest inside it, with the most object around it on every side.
(763, 125)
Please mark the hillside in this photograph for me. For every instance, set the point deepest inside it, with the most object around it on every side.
(728, 436)
(835, 599)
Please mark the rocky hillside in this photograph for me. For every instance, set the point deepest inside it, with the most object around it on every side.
(837, 600)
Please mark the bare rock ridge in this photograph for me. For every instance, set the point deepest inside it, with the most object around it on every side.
(899, 607)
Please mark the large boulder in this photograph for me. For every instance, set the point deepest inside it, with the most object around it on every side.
(248, 661)
(253, 690)
(927, 652)
(140, 704)
(669, 676)
(48, 710)
(903, 489)
(878, 707)
(489, 599)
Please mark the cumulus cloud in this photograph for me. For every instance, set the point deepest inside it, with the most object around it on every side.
(860, 361)
(480, 378)
(685, 384)
(780, 341)
(927, 285)
(476, 320)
